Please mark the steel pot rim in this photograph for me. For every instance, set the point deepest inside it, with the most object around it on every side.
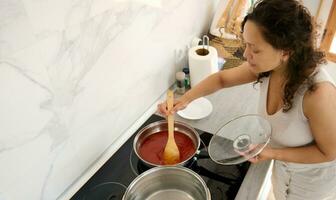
(153, 124)
(166, 167)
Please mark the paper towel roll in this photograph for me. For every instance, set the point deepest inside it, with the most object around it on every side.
(201, 66)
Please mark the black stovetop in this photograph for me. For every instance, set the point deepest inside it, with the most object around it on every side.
(111, 180)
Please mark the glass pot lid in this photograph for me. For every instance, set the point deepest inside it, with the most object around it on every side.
(240, 139)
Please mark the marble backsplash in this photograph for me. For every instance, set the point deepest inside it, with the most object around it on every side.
(74, 76)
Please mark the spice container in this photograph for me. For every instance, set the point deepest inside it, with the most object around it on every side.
(187, 77)
(180, 82)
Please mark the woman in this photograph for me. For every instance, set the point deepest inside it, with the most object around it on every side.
(297, 97)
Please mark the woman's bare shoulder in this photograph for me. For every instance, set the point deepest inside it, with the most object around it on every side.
(322, 98)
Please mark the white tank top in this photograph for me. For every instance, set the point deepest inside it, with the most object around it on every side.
(290, 129)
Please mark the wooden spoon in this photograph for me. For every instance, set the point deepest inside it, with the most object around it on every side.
(171, 154)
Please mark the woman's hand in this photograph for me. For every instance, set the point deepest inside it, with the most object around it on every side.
(179, 104)
(265, 154)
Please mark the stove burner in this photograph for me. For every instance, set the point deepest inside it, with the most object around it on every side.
(106, 191)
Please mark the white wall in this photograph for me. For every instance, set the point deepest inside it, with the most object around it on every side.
(331, 68)
(74, 75)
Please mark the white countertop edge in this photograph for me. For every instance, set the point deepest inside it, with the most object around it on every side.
(256, 184)
(267, 183)
(66, 195)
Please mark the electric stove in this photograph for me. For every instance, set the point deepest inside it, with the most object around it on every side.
(111, 180)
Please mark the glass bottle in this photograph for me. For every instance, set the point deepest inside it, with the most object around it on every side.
(187, 77)
(180, 82)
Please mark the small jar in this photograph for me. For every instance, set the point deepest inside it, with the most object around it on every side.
(180, 82)
(187, 77)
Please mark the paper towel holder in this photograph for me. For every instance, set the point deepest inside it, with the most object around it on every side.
(204, 51)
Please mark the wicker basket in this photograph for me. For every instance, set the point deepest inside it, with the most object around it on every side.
(231, 50)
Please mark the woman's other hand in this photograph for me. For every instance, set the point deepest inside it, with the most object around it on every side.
(265, 154)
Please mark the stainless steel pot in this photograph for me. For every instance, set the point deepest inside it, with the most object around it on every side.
(162, 125)
(167, 183)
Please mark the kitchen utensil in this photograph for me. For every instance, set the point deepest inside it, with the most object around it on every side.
(171, 154)
(240, 139)
(166, 183)
(197, 109)
(159, 126)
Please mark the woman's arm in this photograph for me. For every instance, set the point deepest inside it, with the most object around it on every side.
(320, 108)
(224, 78)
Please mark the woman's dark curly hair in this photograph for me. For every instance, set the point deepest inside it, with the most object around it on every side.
(288, 25)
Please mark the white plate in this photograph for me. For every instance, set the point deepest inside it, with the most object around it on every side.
(197, 109)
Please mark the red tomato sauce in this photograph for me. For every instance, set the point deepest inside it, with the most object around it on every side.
(153, 146)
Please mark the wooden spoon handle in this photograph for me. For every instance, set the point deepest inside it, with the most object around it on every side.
(171, 154)
(170, 105)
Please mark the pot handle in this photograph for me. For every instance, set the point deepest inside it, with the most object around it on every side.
(202, 154)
